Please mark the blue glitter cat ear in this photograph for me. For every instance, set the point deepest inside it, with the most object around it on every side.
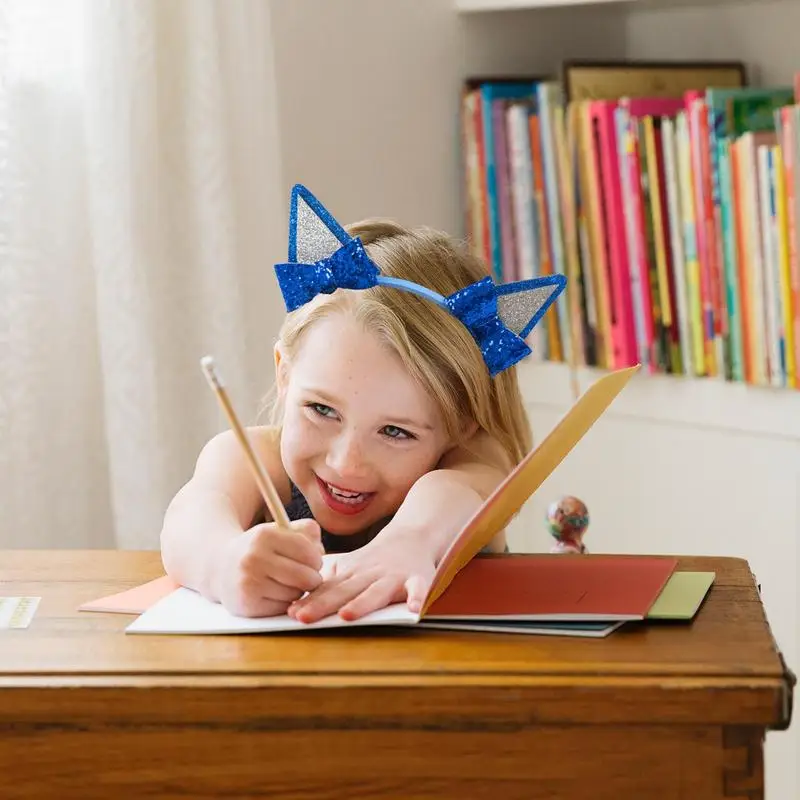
(313, 232)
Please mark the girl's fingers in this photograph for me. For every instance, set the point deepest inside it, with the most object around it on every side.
(281, 593)
(380, 594)
(296, 546)
(329, 598)
(311, 530)
(293, 574)
(417, 588)
(259, 607)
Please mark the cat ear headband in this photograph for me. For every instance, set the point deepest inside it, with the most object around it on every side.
(324, 258)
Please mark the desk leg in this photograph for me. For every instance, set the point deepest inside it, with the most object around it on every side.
(743, 763)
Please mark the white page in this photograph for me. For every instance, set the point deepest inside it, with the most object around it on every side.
(186, 611)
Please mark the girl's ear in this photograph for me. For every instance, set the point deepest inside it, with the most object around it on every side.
(281, 368)
(469, 427)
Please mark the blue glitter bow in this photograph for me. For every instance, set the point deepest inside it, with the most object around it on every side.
(476, 307)
(348, 268)
(323, 257)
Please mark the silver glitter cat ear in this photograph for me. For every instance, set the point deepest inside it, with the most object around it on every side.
(313, 232)
(522, 304)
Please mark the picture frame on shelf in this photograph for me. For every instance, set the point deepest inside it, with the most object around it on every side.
(586, 79)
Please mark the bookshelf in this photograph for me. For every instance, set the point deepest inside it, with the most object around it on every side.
(676, 465)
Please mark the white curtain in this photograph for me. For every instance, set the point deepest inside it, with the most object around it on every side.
(141, 208)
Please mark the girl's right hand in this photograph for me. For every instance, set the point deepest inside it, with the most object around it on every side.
(264, 569)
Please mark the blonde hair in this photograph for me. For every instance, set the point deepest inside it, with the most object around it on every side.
(435, 347)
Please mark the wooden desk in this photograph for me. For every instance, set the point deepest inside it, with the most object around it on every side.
(663, 712)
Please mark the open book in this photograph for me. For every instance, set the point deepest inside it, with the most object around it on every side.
(185, 611)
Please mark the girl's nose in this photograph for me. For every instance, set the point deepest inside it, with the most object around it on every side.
(346, 457)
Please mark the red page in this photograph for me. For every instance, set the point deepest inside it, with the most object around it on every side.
(556, 587)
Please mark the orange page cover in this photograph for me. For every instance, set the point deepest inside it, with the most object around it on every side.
(555, 587)
(133, 601)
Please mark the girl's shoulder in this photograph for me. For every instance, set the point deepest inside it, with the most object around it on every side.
(479, 449)
(266, 441)
(224, 463)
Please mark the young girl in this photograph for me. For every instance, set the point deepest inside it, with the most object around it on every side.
(396, 413)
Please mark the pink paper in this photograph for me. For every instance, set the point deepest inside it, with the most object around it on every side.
(133, 601)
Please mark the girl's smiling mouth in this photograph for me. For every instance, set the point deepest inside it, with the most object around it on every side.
(343, 501)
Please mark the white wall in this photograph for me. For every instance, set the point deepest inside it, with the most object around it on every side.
(762, 33)
(368, 93)
(367, 97)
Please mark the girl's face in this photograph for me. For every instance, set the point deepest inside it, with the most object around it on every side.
(358, 431)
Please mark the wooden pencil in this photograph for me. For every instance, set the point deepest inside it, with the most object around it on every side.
(264, 482)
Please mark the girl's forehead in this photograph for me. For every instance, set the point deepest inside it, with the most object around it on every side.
(338, 355)
(337, 343)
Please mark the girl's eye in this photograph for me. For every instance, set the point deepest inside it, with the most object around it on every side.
(322, 409)
(393, 432)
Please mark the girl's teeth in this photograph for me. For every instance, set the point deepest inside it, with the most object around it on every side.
(344, 495)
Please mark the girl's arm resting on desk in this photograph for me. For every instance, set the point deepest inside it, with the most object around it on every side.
(400, 562)
(206, 544)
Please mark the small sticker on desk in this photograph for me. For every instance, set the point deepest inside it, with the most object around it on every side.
(17, 612)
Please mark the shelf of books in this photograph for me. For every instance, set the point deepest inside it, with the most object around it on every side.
(675, 216)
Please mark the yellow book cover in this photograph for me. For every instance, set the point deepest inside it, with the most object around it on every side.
(570, 226)
(692, 262)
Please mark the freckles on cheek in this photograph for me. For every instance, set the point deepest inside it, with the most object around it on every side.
(404, 473)
(300, 437)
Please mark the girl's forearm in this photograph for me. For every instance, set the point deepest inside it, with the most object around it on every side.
(197, 523)
(436, 508)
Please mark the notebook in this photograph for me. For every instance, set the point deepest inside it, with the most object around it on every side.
(553, 587)
(679, 601)
(185, 611)
(519, 593)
